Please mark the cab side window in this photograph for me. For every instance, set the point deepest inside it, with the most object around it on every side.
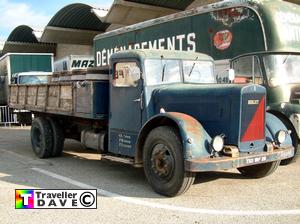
(126, 74)
(247, 70)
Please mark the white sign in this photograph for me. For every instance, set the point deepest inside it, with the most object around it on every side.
(74, 62)
(169, 43)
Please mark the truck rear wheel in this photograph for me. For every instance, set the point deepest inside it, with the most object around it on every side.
(41, 137)
(58, 137)
(260, 170)
(164, 163)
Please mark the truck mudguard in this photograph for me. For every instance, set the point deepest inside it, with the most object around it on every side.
(273, 125)
(195, 140)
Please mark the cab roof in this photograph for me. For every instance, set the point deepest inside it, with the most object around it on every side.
(160, 54)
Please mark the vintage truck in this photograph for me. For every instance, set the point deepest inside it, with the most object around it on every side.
(161, 110)
(262, 29)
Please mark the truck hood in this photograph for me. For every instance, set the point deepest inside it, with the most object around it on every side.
(221, 109)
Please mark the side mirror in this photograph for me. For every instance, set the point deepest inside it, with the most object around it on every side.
(231, 75)
(135, 73)
(274, 82)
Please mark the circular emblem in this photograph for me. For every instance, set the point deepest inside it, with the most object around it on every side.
(223, 39)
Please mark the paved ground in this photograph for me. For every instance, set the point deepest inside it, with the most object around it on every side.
(125, 197)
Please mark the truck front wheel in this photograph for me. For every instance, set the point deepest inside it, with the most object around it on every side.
(260, 170)
(164, 163)
(41, 137)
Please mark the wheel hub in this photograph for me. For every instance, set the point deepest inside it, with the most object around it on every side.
(162, 161)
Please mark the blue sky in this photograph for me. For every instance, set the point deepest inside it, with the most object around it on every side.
(35, 13)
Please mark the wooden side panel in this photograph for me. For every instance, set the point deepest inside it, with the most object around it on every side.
(53, 96)
(13, 96)
(32, 95)
(66, 98)
(41, 96)
(21, 95)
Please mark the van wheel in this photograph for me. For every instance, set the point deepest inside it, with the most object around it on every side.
(164, 163)
(41, 137)
(58, 137)
(260, 170)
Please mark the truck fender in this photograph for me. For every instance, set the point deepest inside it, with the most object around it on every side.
(195, 140)
(273, 125)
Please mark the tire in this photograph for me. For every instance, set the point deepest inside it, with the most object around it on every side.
(58, 137)
(41, 138)
(164, 163)
(260, 170)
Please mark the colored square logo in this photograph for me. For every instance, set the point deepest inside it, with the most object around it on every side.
(24, 199)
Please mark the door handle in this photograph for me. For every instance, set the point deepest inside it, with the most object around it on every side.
(137, 100)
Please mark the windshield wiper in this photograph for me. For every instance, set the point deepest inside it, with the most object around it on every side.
(163, 73)
(286, 58)
(192, 69)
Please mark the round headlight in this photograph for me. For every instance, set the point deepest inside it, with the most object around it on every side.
(217, 143)
(281, 136)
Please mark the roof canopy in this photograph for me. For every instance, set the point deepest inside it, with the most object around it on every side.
(77, 16)
(128, 12)
(19, 47)
(23, 40)
(22, 34)
(174, 4)
(73, 24)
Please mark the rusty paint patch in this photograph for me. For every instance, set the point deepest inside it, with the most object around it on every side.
(230, 16)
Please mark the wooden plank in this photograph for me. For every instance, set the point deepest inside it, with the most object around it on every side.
(36, 95)
(26, 95)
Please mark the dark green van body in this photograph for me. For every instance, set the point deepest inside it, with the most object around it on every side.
(224, 31)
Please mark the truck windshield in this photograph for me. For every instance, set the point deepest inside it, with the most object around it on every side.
(198, 72)
(33, 79)
(162, 72)
(282, 68)
(177, 71)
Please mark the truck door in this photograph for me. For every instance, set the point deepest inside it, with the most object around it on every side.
(125, 107)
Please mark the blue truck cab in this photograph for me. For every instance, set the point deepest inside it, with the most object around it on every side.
(167, 112)
(162, 110)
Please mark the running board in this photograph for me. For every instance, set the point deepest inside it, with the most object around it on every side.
(120, 160)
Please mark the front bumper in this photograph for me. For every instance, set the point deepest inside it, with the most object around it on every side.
(226, 162)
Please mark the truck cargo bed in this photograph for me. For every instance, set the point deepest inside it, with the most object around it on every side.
(87, 99)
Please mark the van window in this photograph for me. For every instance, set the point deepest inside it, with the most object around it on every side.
(247, 70)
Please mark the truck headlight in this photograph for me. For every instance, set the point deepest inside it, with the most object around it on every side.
(217, 143)
(281, 136)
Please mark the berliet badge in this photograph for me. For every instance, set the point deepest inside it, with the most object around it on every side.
(253, 102)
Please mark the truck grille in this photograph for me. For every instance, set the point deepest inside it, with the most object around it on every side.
(253, 118)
